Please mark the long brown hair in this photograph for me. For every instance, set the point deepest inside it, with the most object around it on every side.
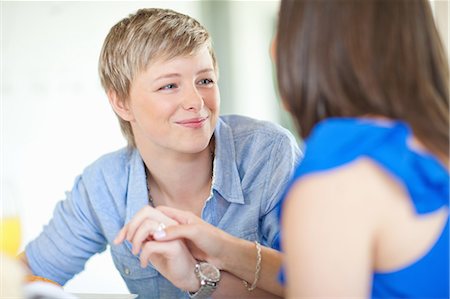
(350, 58)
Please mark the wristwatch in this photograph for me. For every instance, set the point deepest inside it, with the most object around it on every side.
(209, 277)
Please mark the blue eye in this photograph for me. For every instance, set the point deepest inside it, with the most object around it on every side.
(168, 86)
(205, 82)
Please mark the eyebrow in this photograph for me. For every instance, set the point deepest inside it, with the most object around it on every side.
(167, 76)
(172, 75)
(205, 70)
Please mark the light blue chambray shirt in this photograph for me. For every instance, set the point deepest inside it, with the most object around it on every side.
(253, 163)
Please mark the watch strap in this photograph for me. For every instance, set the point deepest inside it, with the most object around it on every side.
(206, 290)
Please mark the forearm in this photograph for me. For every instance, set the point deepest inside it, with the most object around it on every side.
(23, 260)
(240, 260)
(231, 286)
(225, 251)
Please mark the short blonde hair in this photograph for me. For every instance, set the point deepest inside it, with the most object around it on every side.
(135, 41)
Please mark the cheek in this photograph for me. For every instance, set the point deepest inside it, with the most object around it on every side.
(212, 99)
(151, 113)
(160, 106)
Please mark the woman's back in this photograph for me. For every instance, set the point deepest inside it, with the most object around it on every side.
(368, 213)
(373, 204)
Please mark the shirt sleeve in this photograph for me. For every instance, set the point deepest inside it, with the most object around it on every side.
(284, 157)
(72, 236)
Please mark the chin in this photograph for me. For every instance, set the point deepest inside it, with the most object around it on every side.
(196, 147)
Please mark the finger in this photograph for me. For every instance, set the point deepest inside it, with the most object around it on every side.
(182, 217)
(137, 220)
(147, 251)
(120, 236)
(183, 231)
(147, 212)
(152, 250)
(147, 228)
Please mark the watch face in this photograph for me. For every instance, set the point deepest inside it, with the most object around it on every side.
(209, 271)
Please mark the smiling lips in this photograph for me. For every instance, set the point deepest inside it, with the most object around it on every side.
(193, 123)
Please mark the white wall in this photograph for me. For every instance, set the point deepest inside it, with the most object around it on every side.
(441, 11)
(252, 33)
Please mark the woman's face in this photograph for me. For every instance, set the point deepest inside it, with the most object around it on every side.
(174, 104)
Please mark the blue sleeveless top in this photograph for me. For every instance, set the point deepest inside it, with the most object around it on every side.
(337, 141)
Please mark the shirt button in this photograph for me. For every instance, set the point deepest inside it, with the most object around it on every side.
(127, 271)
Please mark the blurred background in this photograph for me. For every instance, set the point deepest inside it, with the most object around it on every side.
(55, 117)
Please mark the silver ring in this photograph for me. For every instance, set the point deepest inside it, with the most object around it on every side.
(161, 227)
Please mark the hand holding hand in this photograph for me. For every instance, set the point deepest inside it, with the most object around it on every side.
(142, 226)
(205, 241)
(172, 259)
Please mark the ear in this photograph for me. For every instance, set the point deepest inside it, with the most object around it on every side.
(120, 106)
(285, 106)
(273, 49)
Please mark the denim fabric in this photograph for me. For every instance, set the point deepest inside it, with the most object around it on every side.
(254, 161)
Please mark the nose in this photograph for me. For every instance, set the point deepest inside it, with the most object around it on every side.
(192, 99)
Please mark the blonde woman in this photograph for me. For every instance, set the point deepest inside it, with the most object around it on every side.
(160, 73)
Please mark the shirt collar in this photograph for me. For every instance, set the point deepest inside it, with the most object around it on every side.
(137, 193)
(226, 179)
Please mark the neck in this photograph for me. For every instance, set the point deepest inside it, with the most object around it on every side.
(182, 180)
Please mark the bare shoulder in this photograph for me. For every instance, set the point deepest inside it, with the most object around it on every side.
(329, 223)
(361, 191)
(362, 180)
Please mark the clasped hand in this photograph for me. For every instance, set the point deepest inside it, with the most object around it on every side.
(174, 250)
(172, 258)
